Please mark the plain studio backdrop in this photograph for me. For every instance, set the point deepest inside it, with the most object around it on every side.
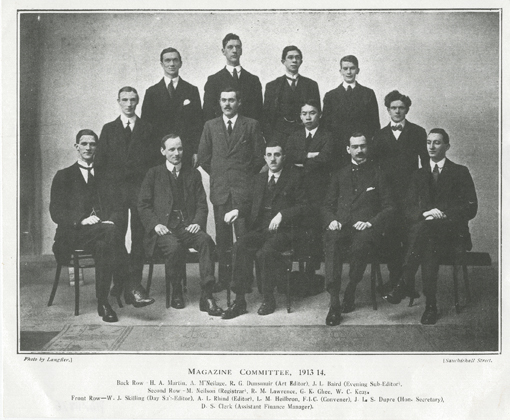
(73, 64)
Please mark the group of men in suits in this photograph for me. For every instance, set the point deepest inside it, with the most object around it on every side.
(278, 167)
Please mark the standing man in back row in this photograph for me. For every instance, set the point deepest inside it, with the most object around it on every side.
(350, 108)
(235, 76)
(173, 106)
(284, 96)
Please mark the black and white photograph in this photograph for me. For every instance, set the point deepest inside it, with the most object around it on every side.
(207, 206)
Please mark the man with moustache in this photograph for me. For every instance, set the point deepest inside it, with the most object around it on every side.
(440, 202)
(173, 106)
(173, 209)
(397, 150)
(125, 152)
(356, 209)
(89, 218)
(277, 203)
(237, 77)
(231, 151)
(283, 98)
(349, 108)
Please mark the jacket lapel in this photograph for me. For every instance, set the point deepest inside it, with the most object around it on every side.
(259, 186)
(444, 179)
(237, 133)
(282, 181)
(365, 179)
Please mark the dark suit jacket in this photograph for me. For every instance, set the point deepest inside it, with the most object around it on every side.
(156, 201)
(289, 199)
(306, 88)
(456, 196)
(67, 208)
(251, 94)
(342, 116)
(372, 203)
(173, 115)
(316, 170)
(118, 165)
(231, 164)
(398, 159)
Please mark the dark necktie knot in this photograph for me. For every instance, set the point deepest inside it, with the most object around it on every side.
(174, 172)
(235, 75)
(272, 182)
(229, 127)
(308, 141)
(435, 172)
(293, 82)
(349, 88)
(397, 127)
(171, 89)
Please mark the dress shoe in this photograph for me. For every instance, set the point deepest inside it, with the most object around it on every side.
(334, 316)
(268, 307)
(177, 301)
(235, 310)
(429, 317)
(138, 298)
(208, 304)
(348, 306)
(397, 294)
(105, 310)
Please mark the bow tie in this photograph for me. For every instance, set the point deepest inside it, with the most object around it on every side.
(397, 127)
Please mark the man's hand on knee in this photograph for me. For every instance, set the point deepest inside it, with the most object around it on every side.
(91, 220)
(193, 228)
(362, 225)
(161, 230)
(335, 225)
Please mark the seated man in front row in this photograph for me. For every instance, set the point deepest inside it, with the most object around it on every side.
(173, 209)
(355, 212)
(440, 202)
(88, 219)
(278, 201)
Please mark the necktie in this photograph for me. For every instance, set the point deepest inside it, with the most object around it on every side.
(397, 127)
(349, 89)
(308, 141)
(171, 89)
(271, 183)
(229, 128)
(174, 172)
(90, 176)
(435, 173)
(235, 75)
(292, 82)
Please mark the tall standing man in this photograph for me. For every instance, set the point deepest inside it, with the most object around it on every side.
(173, 106)
(440, 202)
(125, 152)
(398, 149)
(237, 77)
(350, 108)
(231, 151)
(355, 212)
(283, 98)
(89, 218)
(173, 209)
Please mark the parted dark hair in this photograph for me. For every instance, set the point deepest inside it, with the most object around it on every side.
(231, 89)
(446, 137)
(356, 134)
(349, 58)
(85, 132)
(312, 102)
(169, 50)
(128, 89)
(395, 95)
(169, 136)
(290, 48)
(230, 37)
(274, 143)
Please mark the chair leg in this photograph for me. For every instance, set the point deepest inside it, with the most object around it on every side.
(373, 275)
(76, 263)
(55, 285)
(167, 292)
(289, 299)
(379, 276)
(456, 288)
(149, 279)
(466, 282)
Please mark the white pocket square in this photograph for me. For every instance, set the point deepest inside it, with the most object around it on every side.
(186, 102)
(370, 188)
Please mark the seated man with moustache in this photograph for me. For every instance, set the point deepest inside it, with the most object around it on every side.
(278, 202)
(440, 202)
(355, 212)
(89, 218)
(173, 210)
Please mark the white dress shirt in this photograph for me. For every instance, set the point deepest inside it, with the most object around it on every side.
(132, 121)
(233, 119)
(175, 81)
(85, 172)
(231, 70)
(439, 164)
(397, 133)
(171, 167)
